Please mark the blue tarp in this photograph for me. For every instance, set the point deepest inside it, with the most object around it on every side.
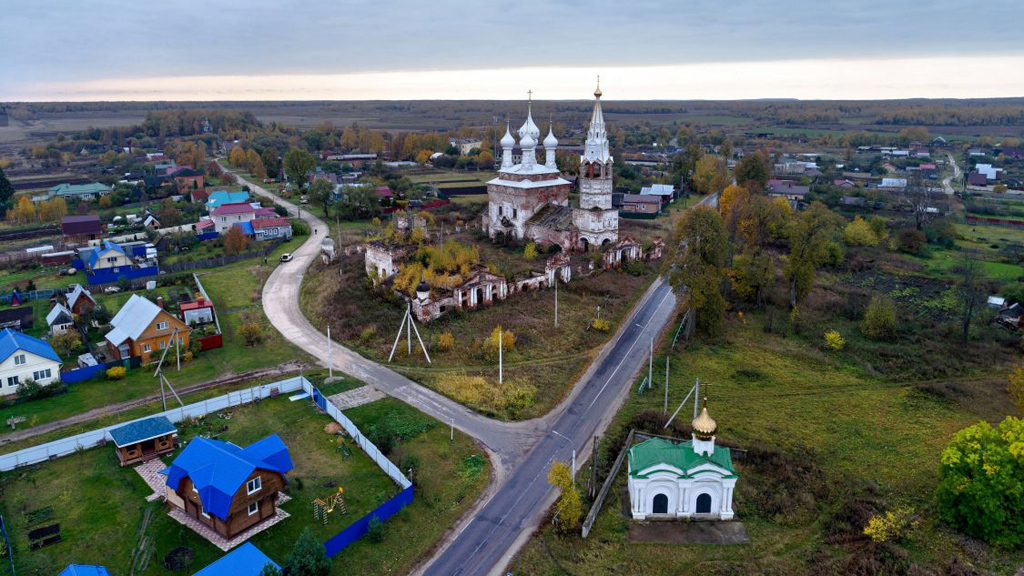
(218, 469)
(84, 570)
(246, 560)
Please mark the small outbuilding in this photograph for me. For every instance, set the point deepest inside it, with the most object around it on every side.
(59, 319)
(143, 440)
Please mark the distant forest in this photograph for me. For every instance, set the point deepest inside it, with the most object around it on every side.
(1008, 112)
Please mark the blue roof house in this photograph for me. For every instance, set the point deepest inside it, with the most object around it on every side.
(24, 358)
(84, 570)
(108, 255)
(246, 560)
(220, 197)
(227, 488)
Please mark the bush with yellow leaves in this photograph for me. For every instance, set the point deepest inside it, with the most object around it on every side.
(834, 340)
(446, 342)
(893, 525)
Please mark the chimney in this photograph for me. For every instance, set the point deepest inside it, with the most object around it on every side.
(160, 301)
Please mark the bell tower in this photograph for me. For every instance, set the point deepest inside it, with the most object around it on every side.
(596, 219)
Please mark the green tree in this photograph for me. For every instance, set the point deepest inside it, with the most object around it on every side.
(298, 164)
(753, 171)
(981, 482)
(879, 321)
(700, 264)
(271, 162)
(968, 291)
(569, 507)
(859, 233)
(6, 192)
(308, 557)
(710, 175)
(321, 192)
(813, 234)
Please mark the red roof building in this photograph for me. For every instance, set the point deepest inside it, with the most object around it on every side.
(270, 228)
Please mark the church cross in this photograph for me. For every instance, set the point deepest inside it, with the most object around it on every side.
(529, 94)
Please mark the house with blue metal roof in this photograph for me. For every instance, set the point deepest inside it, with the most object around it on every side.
(143, 439)
(220, 197)
(23, 358)
(227, 488)
(108, 255)
(246, 560)
(84, 570)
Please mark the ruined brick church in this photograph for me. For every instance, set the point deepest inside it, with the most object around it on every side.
(530, 200)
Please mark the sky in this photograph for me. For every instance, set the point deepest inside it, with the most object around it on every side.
(411, 49)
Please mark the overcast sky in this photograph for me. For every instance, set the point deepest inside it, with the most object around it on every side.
(408, 49)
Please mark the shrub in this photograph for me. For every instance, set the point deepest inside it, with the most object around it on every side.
(252, 332)
(530, 252)
(893, 525)
(367, 334)
(308, 557)
(116, 373)
(375, 530)
(635, 268)
(194, 347)
(512, 398)
(877, 224)
(188, 357)
(911, 241)
(409, 464)
(859, 233)
(507, 339)
(383, 436)
(879, 321)
(569, 507)
(981, 478)
(834, 340)
(600, 325)
(67, 344)
(446, 342)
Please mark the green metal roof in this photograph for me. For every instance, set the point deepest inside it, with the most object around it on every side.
(660, 451)
(142, 430)
(80, 189)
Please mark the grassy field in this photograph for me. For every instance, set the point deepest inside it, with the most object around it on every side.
(827, 432)
(232, 289)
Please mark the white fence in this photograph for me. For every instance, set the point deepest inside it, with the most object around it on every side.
(94, 438)
(386, 465)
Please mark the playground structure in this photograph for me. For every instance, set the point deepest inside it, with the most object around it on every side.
(324, 506)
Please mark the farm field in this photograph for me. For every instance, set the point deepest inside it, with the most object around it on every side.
(823, 436)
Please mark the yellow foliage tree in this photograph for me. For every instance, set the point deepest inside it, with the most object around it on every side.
(106, 201)
(446, 342)
(730, 200)
(569, 508)
(507, 338)
(238, 157)
(24, 212)
(530, 252)
(859, 233)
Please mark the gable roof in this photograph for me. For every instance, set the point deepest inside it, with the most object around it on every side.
(219, 197)
(11, 342)
(145, 429)
(80, 189)
(132, 319)
(88, 224)
(58, 314)
(658, 190)
(218, 469)
(103, 248)
(233, 208)
(270, 223)
(77, 293)
(84, 570)
(681, 456)
(246, 560)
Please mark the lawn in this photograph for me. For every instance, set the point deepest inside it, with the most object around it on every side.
(42, 276)
(234, 290)
(99, 505)
(831, 430)
(941, 262)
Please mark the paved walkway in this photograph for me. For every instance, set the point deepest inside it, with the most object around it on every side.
(150, 472)
(218, 540)
(356, 397)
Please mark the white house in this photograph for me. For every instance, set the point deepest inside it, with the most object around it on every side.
(691, 479)
(24, 358)
(59, 319)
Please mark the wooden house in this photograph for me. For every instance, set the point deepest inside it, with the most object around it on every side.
(227, 488)
(80, 300)
(141, 328)
(143, 440)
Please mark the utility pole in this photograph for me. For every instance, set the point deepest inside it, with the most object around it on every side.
(556, 298)
(650, 366)
(501, 379)
(330, 365)
(593, 467)
(453, 431)
(664, 411)
(696, 396)
(573, 465)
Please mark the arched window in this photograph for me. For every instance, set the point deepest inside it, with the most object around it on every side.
(704, 503)
(660, 505)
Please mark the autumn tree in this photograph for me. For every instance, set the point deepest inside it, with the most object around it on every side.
(168, 214)
(684, 166)
(700, 265)
(569, 507)
(23, 213)
(237, 157)
(298, 164)
(321, 192)
(754, 221)
(753, 171)
(710, 174)
(6, 192)
(813, 236)
(485, 161)
(54, 209)
(235, 240)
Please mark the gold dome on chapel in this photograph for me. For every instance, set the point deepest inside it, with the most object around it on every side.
(704, 425)
(597, 92)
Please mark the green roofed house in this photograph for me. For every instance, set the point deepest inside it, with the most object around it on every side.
(80, 191)
(690, 479)
(143, 440)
